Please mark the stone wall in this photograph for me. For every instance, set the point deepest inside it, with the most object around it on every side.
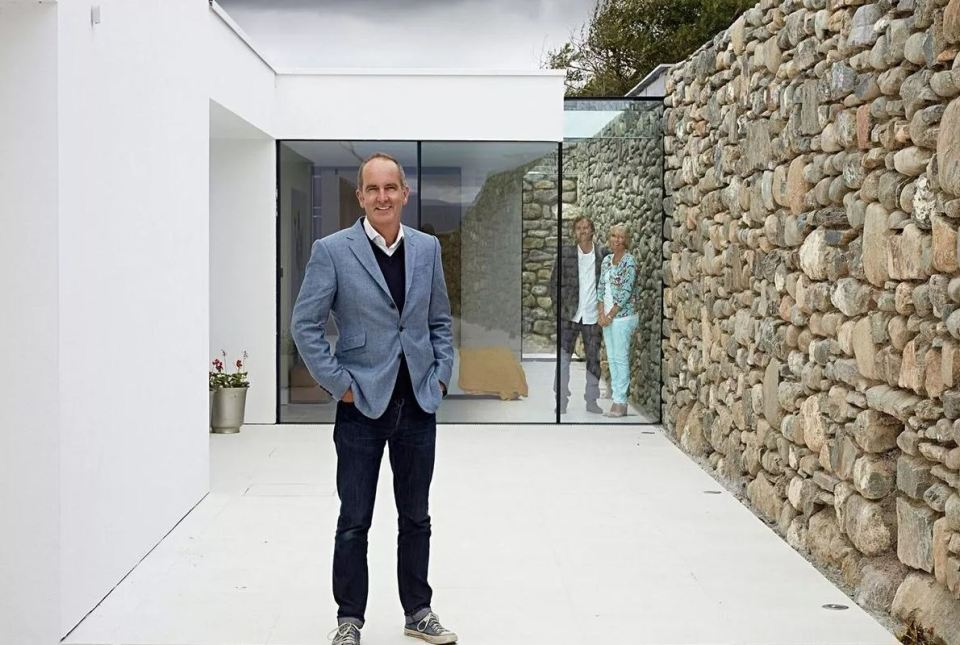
(619, 180)
(540, 196)
(490, 303)
(812, 332)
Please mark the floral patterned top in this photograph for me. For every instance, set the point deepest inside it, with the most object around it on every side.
(619, 279)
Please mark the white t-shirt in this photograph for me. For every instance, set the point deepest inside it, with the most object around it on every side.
(587, 309)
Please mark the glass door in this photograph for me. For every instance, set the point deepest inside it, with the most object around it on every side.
(612, 194)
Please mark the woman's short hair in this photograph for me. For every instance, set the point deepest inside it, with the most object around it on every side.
(625, 232)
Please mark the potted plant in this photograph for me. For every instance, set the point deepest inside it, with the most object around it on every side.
(229, 391)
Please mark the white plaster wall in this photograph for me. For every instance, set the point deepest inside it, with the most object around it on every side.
(29, 344)
(135, 283)
(134, 293)
(243, 266)
(236, 77)
(429, 106)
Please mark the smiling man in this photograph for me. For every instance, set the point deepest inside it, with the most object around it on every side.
(384, 284)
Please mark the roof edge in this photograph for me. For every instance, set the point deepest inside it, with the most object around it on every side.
(414, 71)
(654, 74)
(241, 34)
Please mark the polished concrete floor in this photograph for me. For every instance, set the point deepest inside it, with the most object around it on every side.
(543, 535)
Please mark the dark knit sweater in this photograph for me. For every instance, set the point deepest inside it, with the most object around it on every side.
(393, 269)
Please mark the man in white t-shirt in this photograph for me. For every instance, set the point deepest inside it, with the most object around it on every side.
(578, 271)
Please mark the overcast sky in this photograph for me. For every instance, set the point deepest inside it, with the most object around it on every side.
(473, 34)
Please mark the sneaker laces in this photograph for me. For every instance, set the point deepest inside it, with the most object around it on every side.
(347, 632)
(431, 622)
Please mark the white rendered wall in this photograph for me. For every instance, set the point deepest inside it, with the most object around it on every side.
(243, 265)
(236, 77)
(134, 116)
(30, 415)
(467, 106)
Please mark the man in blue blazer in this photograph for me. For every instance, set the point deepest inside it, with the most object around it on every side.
(384, 284)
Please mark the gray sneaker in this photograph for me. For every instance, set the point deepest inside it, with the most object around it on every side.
(429, 629)
(345, 634)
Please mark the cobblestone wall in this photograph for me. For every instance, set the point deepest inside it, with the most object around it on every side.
(539, 253)
(812, 333)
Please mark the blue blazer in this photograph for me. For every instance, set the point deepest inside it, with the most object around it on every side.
(343, 276)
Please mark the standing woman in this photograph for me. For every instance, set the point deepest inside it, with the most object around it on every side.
(618, 316)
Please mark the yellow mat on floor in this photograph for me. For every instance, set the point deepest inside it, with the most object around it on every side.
(491, 370)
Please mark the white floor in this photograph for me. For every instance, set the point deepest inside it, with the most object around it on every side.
(552, 535)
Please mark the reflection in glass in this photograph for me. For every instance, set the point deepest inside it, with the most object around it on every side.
(493, 206)
(578, 272)
(613, 174)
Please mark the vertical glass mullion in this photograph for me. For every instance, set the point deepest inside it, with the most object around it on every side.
(559, 261)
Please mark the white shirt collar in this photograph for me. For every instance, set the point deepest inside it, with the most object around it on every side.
(377, 239)
(580, 252)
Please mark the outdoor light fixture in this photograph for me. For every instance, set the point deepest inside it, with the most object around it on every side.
(835, 606)
(95, 14)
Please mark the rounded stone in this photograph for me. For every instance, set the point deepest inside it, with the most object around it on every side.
(948, 149)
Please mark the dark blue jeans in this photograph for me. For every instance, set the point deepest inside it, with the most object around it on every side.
(411, 434)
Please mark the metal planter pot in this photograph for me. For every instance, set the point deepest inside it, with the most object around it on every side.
(228, 407)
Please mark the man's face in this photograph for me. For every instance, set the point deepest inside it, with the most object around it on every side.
(382, 195)
(584, 232)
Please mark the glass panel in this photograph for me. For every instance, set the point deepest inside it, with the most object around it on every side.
(317, 197)
(613, 176)
(493, 207)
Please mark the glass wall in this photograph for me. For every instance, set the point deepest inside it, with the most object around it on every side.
(317, 197)
(494, 208)
(612, 196)
(532, 272)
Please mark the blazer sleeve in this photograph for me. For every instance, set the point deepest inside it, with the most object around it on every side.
(553, 276)
(310, 314)
(439, 320)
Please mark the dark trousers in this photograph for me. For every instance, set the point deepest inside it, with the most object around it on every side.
(411, 434)
(591, 345)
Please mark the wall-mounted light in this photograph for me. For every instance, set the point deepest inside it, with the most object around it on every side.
(95, 14)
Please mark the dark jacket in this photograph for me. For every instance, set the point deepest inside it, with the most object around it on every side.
(570, 278)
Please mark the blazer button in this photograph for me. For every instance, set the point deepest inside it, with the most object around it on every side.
(401, 328)
(393, 306)
(400, 355)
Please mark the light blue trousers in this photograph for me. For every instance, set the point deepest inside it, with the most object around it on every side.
(617, 337)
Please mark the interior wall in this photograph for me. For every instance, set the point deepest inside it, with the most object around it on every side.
(295, 175)
(134, 297)
(242, 264)
(29, 416)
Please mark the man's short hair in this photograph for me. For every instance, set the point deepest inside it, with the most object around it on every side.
(625, 232)
(577, 220)
(380, 155)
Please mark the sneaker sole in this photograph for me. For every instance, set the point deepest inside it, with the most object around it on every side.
(437, 640)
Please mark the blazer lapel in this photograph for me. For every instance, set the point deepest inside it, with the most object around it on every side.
(360, 245)
(409, 263)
